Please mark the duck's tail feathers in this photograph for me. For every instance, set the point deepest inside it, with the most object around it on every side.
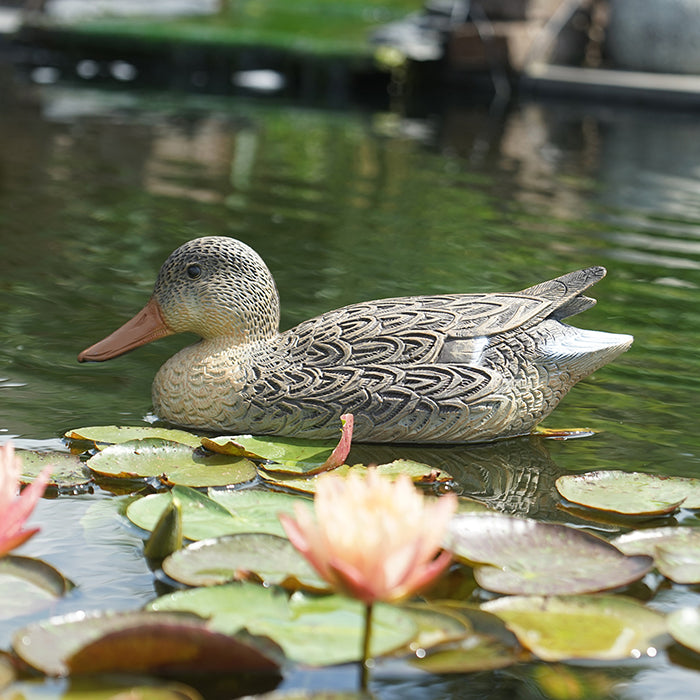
(582, 352)
(568, 291)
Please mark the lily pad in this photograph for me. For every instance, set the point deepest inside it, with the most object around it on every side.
(27, 585)
(676, 550)
(630, 493)
(135, 641)
(602, 627)
(684, 627)
(201, 516)
(104, 687)
(288, 455)
(222, 512)
(562, 433)
(448, 642)
(102, 435)
(524, 556)
(312, 630)
(67, 470)
(269, 558)
(422, 474)
(172, 462)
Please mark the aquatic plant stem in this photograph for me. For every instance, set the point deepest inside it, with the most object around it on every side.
(366, 660)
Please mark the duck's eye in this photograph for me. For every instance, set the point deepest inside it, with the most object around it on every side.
(194, 271)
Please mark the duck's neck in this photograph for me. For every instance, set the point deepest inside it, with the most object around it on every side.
(196, 384)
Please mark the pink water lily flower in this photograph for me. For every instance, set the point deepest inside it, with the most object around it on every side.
(15, 509)
(372, 538)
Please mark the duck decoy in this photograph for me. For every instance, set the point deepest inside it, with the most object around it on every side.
(446, 368)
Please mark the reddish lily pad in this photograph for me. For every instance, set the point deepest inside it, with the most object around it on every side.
(269, 558)
(422, 474)
(136, 641)
(524, 556)
(630, 493)
(602, 627)
(103, 435)
(172, 462)
(676, 550)
(288, 455)
(103, 687)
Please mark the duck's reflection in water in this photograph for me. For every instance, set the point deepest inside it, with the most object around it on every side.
(515, 476)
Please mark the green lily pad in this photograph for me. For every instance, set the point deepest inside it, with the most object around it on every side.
(257, 510)
(67, 470)
(172, 462)
(676, 550)
(524, 556)
(222, 512)
(312, 630)
(201, 516)
(288, 455)
(630, 493)
(602, 627)
(102, 435)
(269, 558)
(448, 642)
(135, 641)
(166, 536)
(684, 627)
(422, 474)
(27, 585)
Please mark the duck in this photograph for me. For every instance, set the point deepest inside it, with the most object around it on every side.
(446, 368)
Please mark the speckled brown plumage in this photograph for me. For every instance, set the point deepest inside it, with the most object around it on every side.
(448, 368)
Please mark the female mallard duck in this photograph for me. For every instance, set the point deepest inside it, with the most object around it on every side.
(447, 368)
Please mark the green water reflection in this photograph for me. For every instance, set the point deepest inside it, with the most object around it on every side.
(97, 188)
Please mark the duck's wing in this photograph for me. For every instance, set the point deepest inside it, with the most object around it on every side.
(413, 330)
(408, 368)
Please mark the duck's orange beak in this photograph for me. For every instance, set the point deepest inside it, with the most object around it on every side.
(147, 325)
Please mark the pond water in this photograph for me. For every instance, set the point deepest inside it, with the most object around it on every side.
(98, 187)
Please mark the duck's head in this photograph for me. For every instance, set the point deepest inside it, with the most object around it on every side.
(214, 287)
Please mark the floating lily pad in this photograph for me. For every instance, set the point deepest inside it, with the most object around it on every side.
(135, 641)
(201, 516)
(676, 550)
(7, 671)
(630, 493)
(422, 474)
(527, 556)
(582, 627)
(448, 642)
(102, 435)
(684, 627)
(312, 630)
(222, 512)
(288, 455)
(172, 462)
(67, 470)
(562, 433)
(269, 558)
(27, 585)
(166, 536)
(104, 687)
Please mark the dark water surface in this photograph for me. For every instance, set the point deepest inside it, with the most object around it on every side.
(97, 188)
